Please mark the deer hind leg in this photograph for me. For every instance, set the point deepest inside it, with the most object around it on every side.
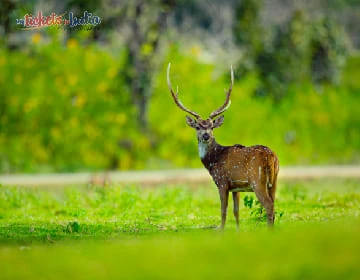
(224, 198)
(272, 190)
(267, 202)
(236, 199)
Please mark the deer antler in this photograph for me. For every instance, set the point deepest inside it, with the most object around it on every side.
(227, 103)
(176, 98)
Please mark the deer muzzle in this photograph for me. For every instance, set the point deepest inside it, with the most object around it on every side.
(206, 136)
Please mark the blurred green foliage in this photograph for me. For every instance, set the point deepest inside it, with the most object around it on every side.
(301, 50)
(62, 108)
(65, 108)
(305, 252)
(330, 46)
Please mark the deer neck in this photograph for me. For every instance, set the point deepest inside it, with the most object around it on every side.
(209, 152)
(203, 148)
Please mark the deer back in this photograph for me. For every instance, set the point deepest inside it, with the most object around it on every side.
(239, 166)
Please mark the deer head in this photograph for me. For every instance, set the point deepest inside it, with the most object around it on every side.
(204, 127)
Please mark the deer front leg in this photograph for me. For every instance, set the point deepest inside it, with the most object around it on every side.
(224, 197)
(236, 199)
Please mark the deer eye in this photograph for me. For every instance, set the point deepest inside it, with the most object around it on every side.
(197, 128)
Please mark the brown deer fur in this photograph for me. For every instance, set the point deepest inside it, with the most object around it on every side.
(235, 168)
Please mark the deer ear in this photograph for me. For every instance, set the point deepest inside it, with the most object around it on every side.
(190, 121)
(218, 122)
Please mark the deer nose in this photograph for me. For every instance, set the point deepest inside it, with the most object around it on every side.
(206, 136)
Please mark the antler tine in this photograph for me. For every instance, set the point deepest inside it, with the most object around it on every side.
(227, 103)
(176, 97)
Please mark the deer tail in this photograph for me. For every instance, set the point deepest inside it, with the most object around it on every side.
(271, 176)
(272, 171)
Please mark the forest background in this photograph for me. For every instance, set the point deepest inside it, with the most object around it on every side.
(95, 97)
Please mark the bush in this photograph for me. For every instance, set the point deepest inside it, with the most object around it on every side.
(63, 109)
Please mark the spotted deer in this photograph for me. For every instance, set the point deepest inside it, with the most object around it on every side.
(234, 168)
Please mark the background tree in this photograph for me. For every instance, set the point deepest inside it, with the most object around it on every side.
(286, 61)
(248, 32)
(302, 50)
(329, 48)
(146, 22)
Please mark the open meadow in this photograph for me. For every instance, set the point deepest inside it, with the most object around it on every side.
(169, 232)
(86, 98)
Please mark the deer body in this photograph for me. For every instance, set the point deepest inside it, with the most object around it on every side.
(235, 168)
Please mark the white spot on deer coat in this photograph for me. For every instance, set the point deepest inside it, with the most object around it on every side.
(259, 172)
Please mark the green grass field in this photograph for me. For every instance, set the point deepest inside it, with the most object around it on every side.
(169, 232)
